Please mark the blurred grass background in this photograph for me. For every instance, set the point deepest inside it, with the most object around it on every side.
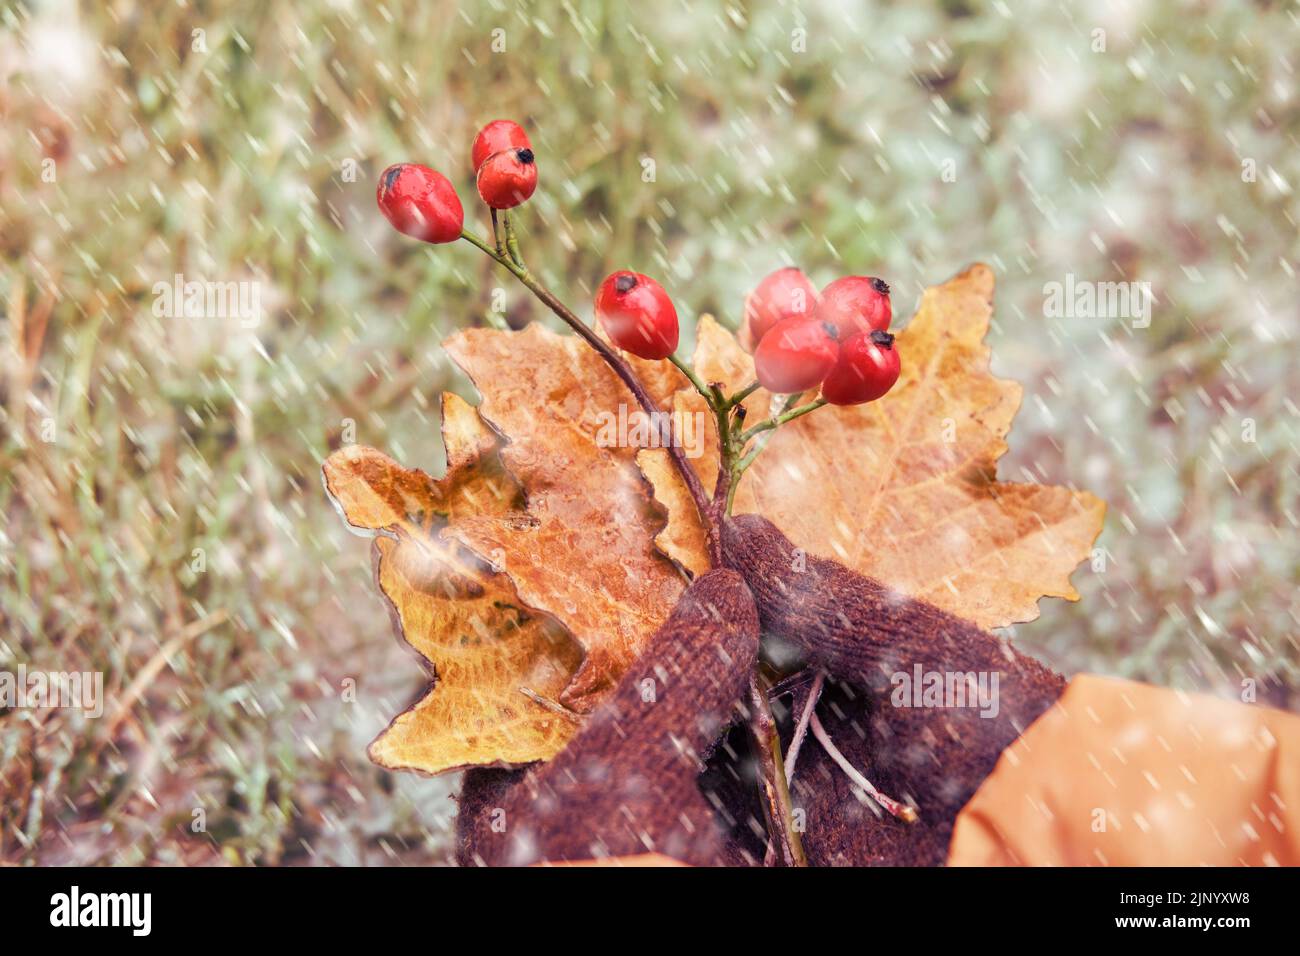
(163, 516)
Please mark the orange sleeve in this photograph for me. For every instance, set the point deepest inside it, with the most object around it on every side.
(1125, 774)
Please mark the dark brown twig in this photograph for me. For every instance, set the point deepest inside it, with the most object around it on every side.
(615, 361)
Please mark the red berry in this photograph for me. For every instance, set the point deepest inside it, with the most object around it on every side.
(637, 315)
(856, 304)
(796, 354)
(867, 369)
(420, 202)
(507, 178)
(784, 294)
(496, 136)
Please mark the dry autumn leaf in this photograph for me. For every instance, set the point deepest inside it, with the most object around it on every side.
(483, 647)
(586, 553)
(904, 489)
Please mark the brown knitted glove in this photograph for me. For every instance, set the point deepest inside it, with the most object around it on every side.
(626, 784)
(864, 634)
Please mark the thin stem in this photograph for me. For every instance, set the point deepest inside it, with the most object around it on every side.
(743, 394)
(734, 481)
(496, 235)
(776, 795)
(684, 367)
(624, 372)
(781, 419)
(512, 242)
(901, 810)
(790, 684)
(745, 462)
(726, 453)
(766, 426)
(737, 468)
(801, 728)
(476, 241)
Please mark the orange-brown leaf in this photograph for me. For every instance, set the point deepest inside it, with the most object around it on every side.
(904, 489)
(682, 538)
(584, 552)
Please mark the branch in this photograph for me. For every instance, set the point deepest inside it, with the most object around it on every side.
(801, 728)
(729, 477)
(512, 242)
(695, 379)
(743, 394)
(776, 795)
(781, 419)
(901, 810)
(621, 369)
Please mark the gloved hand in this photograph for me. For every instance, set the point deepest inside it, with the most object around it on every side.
(626, 784)
(876, 644)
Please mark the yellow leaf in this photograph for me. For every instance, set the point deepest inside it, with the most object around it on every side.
(904, 489)
(466, 621)
(584, 552)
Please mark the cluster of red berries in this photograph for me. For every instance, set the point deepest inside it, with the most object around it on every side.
(422, 203)
(838, 339)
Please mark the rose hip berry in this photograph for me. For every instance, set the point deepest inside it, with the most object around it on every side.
(867, 368)
(785, 293)
(637, 315)
(420, 202)
(796, 354)
(507, 178)
(496, 136)
(856, 304)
